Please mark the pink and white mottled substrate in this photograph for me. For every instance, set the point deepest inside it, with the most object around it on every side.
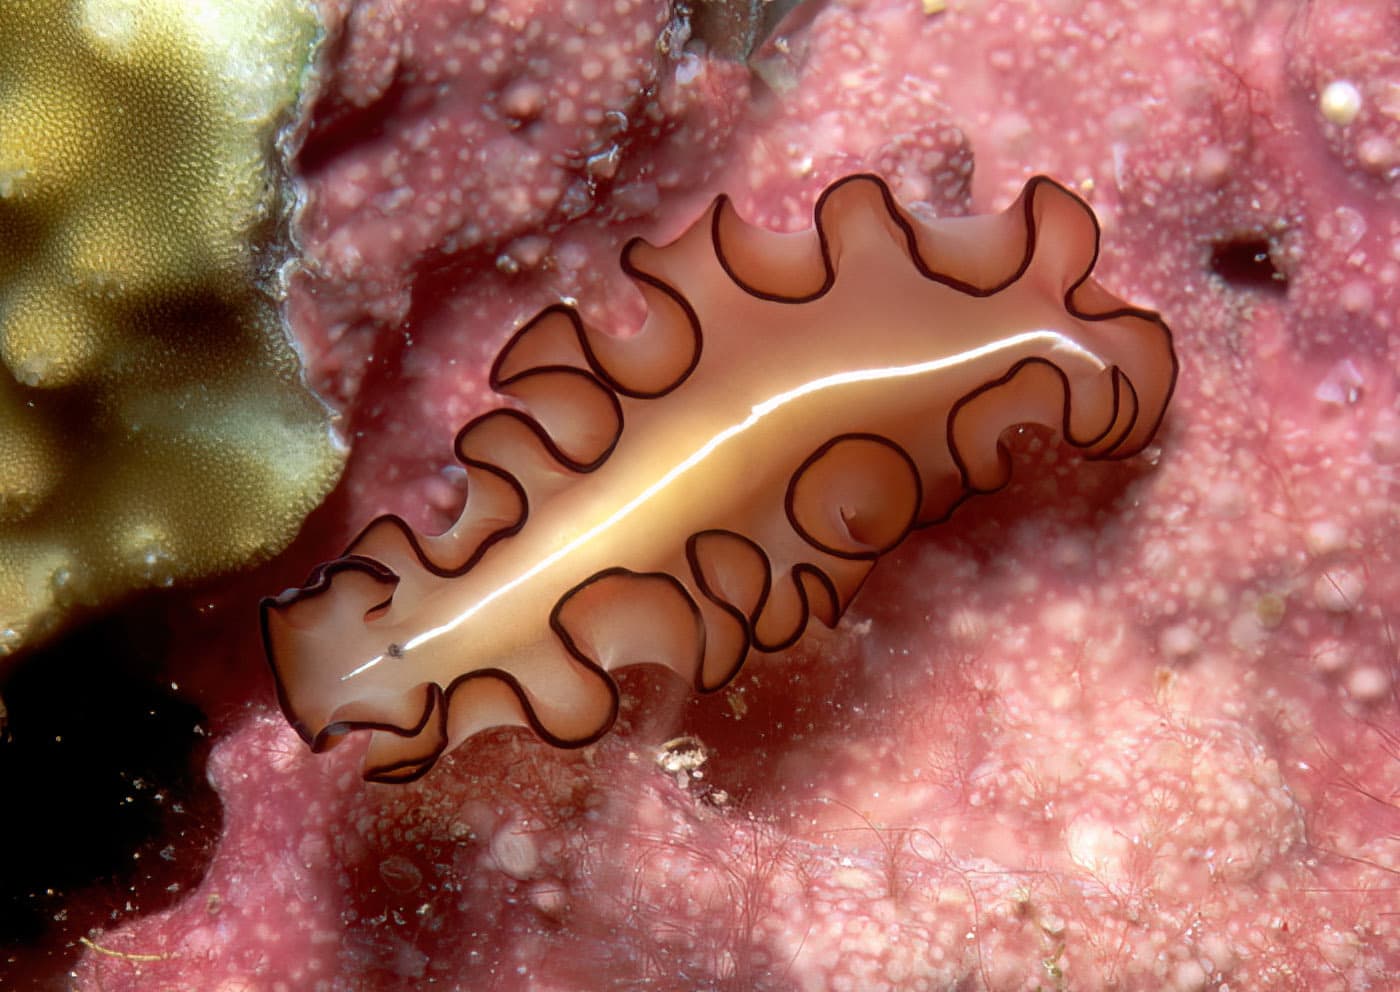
(1127, 726)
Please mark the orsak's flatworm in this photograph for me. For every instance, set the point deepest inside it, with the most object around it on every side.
(791, 408)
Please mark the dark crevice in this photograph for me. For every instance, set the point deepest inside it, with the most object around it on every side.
(337, 126)
(735, 29)
(107, 814)
(1245, 263)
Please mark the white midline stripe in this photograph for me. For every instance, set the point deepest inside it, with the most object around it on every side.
(1057, 342)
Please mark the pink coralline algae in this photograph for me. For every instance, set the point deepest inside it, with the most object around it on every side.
(457, 134)
(1122, 725)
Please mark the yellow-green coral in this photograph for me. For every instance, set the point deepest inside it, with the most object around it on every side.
(153, 424)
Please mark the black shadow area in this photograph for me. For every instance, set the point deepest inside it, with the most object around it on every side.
(105, 811)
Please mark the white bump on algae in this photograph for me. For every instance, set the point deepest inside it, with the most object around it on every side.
(1340, 102)
(1338, 590)
(515, 852)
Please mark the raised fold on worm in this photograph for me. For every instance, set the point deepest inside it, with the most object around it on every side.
(791, 408)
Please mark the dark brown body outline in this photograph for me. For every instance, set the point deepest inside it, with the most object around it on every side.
(437, 699)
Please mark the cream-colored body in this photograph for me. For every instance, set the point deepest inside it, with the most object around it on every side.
(886, 353)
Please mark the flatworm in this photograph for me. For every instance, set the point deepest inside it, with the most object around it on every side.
(791, 408)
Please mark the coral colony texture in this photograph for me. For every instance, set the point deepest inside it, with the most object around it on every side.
(152, 424)
(1122, 724)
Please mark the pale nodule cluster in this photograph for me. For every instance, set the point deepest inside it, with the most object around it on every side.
(153, 424)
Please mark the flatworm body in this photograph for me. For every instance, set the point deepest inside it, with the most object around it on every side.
(791, 408)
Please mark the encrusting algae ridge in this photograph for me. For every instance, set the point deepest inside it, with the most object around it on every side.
(154, 426)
